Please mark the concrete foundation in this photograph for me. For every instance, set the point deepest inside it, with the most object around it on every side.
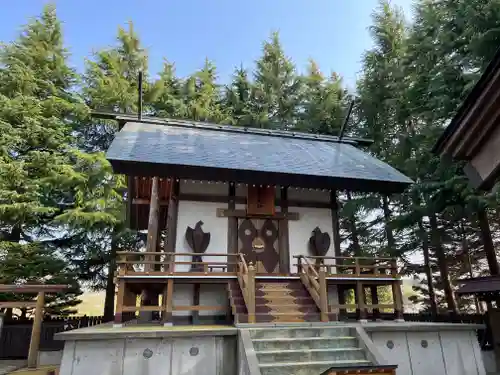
(417, 349)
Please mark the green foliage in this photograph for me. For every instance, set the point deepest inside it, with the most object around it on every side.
(62, 209)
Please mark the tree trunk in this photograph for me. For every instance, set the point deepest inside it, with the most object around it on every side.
(391, 242)
(443, 266)
(428, 268)
(109, 299)
(354, 231)
(489, 249)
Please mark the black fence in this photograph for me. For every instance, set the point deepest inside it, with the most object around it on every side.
(16, 334)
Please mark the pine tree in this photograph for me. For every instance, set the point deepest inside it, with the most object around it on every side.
(276, 87)
(323, 102)
(202, 96)
(37, 107)
(237, 100)
(111, 83)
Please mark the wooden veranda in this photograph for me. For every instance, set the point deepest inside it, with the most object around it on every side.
(158, 273)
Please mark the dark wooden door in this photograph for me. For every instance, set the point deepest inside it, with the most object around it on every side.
(258, 240)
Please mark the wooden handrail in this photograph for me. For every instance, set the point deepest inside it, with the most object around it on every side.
(315, 283)
(356, 267)
(330, 257)
(160, 253)
(127, 259)
(246, 280)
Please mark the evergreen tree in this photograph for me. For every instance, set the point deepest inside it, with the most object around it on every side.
(276, 87)
(37, 171)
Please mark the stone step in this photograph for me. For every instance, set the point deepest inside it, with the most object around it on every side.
(293, 343)
(308, 332)
(297, 317)
(307, 368)
(308, 355)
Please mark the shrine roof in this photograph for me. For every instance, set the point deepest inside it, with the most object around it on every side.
(202, 151)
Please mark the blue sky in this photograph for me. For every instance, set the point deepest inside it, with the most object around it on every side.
(230, 33)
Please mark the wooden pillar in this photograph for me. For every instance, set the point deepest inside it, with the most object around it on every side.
(398, 300)
(397, 294)
(195, 314)
(130, 200)
(167, 302)
(232, 228)
(120, 301)
(148, 298)
(154, 211)
(283, 234)
(334, 207)
(172, 215)
(360, 299)
(36, 331)
(323, 295)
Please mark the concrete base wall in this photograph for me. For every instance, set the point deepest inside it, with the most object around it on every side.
(207, 355)
(50, 358)
(431, 350)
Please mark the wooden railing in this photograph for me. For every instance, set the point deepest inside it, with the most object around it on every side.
(130, 262)
(357, 272)
(246, 279)
(351, 266)
(315, 283)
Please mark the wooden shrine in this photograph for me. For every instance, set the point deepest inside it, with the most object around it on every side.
(240, 227)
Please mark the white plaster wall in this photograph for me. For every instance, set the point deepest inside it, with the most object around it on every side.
(449, 352)
(301, 230)
(190, 212)
(170, 356)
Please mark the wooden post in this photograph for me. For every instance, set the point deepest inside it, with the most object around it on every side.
(397, 293)
(250, 289)
(323, 295)
(154, 210)
(374, 295)
(148, 297)
(360, 296)
(130, 199)
(168, 293)
(334, 207)
(232, 227)
(299, 265)
(120, 300)
(195, 317)
(172, 215)
(36, 331)
(283, 233)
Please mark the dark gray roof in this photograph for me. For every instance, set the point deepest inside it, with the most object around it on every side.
(201, 153)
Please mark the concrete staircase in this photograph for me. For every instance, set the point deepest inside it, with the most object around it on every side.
(307, 351)
(276, 301)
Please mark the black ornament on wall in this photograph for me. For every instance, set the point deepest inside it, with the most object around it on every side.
(198, 241)
(319, 243)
